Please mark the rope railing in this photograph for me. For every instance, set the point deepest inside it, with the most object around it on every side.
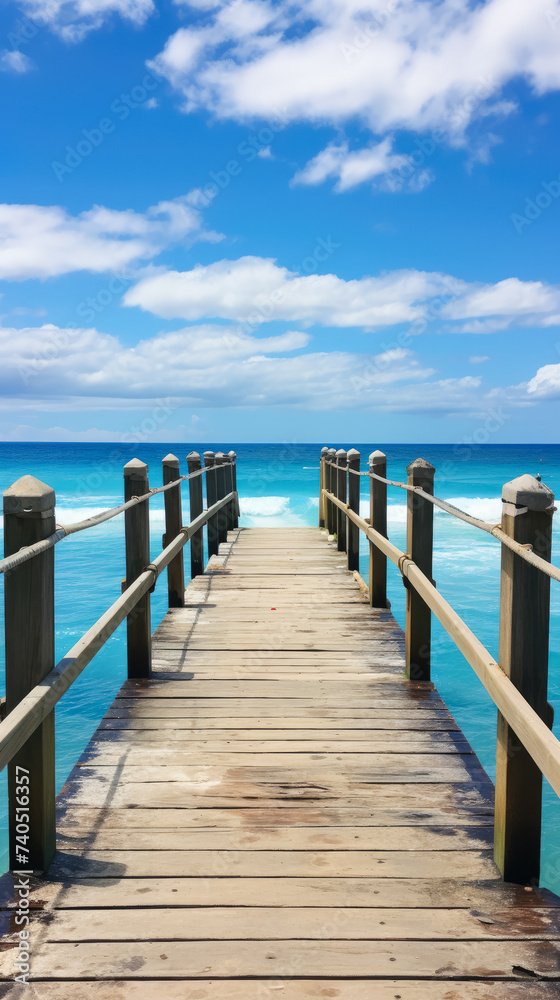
(34, 708)
(523, 551)
(64, 530)
(531, 730)
(35, 683)
(517, 681)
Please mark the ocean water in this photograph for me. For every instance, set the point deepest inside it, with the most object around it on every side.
(278, 485)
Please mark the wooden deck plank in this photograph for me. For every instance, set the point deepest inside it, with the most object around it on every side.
(230, 959)
(277, 812)
(292, 989)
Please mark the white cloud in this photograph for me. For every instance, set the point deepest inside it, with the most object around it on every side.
(255, 290)
(375, 162)
(478, 359)
(414, 65)
(15, 61)
(48, 369)
(507, 303)
(44, 242)
(546, 383)
(73, 19)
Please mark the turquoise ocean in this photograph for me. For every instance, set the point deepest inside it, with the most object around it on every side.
(278, 485)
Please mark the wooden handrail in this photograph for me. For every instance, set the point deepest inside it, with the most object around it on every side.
(492, 529)
(535, 735)
(23, 720)
(64, 530)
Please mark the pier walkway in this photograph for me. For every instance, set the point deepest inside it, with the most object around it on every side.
(278, 813)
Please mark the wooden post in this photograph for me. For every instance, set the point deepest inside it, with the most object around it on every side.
(331, 487)
(341, 492)
(234, 504)
(523, 656)
(322, 486)
(353, 552)
(196, 508)
(29, 625)
(211, 497)
(221, 492)
(137, 541)
(228, 488)
(419, 546)
(173, 525)
(378, 520)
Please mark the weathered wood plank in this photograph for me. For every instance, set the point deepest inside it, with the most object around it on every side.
(350, 838)
(313, 923)
(273, 864)
(205, 792)
(282, 817)
(434, 893)
(363, 763)
(288, 989)
(230, 959)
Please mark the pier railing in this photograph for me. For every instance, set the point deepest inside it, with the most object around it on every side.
(34, 682)
(518, 682)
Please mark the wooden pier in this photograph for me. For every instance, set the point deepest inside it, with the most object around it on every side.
(279, 812)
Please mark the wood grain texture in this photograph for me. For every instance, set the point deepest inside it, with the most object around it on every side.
(278, 812)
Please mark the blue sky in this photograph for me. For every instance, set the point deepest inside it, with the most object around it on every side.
(296, 221)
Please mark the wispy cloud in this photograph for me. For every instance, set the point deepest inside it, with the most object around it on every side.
(14, 61)
(74, 19)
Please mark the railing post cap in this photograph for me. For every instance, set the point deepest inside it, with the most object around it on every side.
(377, 457)
(233, 455)
(421, 465)
(219, 456)
(331, 451)
(353, 454)
(340, 453)
(171, 460)
(28, 496)
(526, 491)
(135, 469)
(195, 454)
(324, 451)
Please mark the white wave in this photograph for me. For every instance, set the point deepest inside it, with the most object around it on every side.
(69, 515)
(263, 506)
(486, 508)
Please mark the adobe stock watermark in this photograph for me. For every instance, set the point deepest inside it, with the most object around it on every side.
(266, 305)
(370, 29)
(139, 432)
(452, 121)
(22, 799)
(55, 342)
(255, 144)
(390, 352)
(90, 139)
(534, 207)
(28, 28)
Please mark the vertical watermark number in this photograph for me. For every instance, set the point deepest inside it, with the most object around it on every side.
(22, 886)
